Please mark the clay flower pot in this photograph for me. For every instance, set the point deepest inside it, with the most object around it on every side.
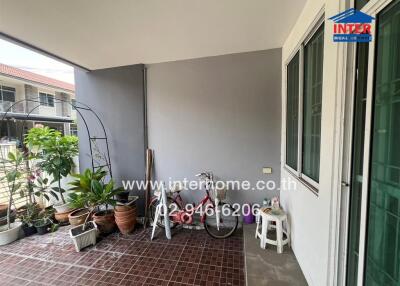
(3, 210)
(124, 214)
(119, 208)
(125, 217)
(63, 217)
(78, 216)
(105, 221)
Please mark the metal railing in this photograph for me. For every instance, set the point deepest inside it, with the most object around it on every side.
(17, 108)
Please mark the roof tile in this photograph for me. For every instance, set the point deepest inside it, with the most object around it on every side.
(26, 75)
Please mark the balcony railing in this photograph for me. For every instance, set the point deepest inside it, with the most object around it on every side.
(17, 108)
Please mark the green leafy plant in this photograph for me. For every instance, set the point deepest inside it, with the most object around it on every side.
(30, 214)
(13, 170)
(42, 186)
(90, 190)
(54, 153)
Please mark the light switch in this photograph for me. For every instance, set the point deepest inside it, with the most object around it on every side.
(267, 170)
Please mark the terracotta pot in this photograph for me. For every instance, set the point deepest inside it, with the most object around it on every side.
(126, 225)
(63, 217)
(105, 221)
(126, 220)
(124, 214)
(62, 208)
(121, 208)
(78, 216)
(3, 210)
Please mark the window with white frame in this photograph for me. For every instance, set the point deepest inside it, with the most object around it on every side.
(304, 98)
(73, 129)
(46, 99)
(7, 93)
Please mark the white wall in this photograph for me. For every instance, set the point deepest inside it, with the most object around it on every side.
(314, 217)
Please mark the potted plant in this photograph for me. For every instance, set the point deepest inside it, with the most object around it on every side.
(28, 216)
(44, 223)
(54, 154)
(91, 191)
(84, 235)
(78, 217)
(13, 175)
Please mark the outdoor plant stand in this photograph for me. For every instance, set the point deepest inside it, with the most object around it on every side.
(84, 235)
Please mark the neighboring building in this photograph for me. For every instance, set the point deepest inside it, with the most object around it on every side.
(51, 108)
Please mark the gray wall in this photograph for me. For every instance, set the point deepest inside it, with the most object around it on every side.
(221, 114)
(117, 95)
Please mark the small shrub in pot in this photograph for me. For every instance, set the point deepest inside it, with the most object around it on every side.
(91, 191)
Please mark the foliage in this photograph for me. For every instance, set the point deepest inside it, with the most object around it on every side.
(54, 153)
(31, 214)
(42, 186)
(13, 170)
(90, 190)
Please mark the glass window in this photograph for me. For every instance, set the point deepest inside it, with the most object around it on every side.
(303, 149)
(292, 110)
(50, 100)
(7, 93)
(46, 99)
(73, 129)
(312, 103)
(43, 98)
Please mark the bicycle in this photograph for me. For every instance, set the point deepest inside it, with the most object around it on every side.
(219, 218)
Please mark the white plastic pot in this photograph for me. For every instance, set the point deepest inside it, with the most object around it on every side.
(86, 238)
(9, 235)
(62, 208)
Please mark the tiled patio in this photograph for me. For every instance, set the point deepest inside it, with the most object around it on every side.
(190, 258)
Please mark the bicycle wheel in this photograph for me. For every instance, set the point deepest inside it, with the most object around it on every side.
(228, 221)
(172, 206)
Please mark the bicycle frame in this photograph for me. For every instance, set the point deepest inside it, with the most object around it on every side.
(185, 215)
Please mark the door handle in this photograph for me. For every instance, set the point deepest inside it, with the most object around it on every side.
(345, 184)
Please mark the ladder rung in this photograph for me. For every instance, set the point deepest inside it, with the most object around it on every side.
(101, 166)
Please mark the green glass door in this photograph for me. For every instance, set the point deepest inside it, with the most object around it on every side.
(382, 262)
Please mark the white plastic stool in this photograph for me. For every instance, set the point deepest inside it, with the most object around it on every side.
(267, 218)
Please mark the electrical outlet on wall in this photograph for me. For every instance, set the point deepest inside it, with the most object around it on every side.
(267, 170)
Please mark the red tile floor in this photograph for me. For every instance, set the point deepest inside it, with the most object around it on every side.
(190, 258)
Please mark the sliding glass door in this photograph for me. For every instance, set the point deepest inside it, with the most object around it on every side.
(382, 259)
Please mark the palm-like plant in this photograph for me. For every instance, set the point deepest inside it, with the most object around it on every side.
(91, 191)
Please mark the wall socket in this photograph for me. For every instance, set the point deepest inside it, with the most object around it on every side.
(267, 170)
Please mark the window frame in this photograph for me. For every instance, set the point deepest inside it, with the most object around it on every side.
(306, 180)
(46, 104)
(10, 87)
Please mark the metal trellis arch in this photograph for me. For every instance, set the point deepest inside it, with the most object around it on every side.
(80, 108)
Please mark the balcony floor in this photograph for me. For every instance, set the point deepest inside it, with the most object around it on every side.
(266, 266)
(190, 258)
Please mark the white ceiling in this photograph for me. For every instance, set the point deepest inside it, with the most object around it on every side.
(107, 33)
